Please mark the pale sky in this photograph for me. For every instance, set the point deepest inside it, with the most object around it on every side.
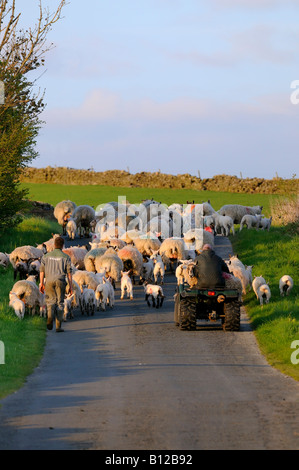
(179, 86)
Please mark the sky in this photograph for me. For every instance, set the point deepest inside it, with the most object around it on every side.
(204, 87)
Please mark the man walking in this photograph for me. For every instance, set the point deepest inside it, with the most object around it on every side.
(55, 267)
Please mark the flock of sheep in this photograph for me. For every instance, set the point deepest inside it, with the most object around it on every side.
(134, 241)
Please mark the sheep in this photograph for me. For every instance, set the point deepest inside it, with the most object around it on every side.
(88, 301)
(251, 221)
(77, 255)
(68, 307)
(34, 268)
(156, 293)
(173, 249)
(146, 245)
(147, 270)
(263, 293)
(25, 254)
(159, 269)
(236, 211)
(29, 293)
(132, 260)
(196, 238)
(126, 285)
(233, 282)
(61, 212)
(286, 284)
(183, 271)
(48, 245)
(104, 295)
(265, 223)
(76, 300)
(17, 304)
(111, 263)
(237, 268)
(85, 278)
(256, 283)
(4, 260)
(82, 216)
(20, 270)
(223, 224)
(90, 258)
(71, 229)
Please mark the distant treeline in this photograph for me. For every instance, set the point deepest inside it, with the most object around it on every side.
(70, 176)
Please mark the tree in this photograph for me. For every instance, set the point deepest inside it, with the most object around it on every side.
(21, 51)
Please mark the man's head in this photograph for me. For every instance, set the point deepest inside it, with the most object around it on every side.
(58, 242)
(206, 247)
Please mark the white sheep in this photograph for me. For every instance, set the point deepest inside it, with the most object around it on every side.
(104, 295)
(29, 293)
(71, 229)
(265, 223)
(4, 260)
(62, 210)
(263, 293)
(232, 282)
(223, 224)
(17, 304)
(88, 301)
(146, 244)
(132, 260)
(183, 272)
(147, 270)
(237, 211)
(85, 278)
(110, 263)
(237, 268)
(196, 238)
(159, 269)
(77, 255)
(286, 284)
(155, 293)
(90, 257)
(256, 283)
(68, 307)
(126, 285)
(251, 221)
(173, 249)
(83, 215)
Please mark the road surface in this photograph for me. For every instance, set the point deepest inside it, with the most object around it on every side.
(129, 379)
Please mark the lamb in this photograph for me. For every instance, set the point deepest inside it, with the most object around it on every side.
(236, 211)
(104, 295)
(76, 300)
(85, 278)
(286, 284)
(251, 221)
(83, 215)
(88, 301)
(237, 268)
(256, 283)
(224, 224)
(71, 229)
(34, 268)
(263, 293)
(126, 285)
(4, 260)
(159, 269)
(17, 304)
(147, 271)
(156, 293)
(61, 211)
(68, 307)
(265, 223)
(29, 293)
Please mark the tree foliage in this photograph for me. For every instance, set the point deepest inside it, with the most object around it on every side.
(21, 51)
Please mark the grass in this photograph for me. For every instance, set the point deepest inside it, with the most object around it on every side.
(23, 341)
(95, 195)
(276, 325)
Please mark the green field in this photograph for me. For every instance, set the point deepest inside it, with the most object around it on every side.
(96, 195)
(272, 254)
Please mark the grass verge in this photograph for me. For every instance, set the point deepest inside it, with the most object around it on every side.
(24, 340)
(276, 325)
